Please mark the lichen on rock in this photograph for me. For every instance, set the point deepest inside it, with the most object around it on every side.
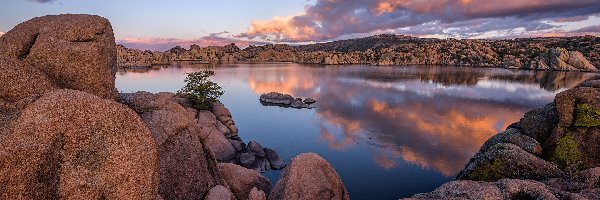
(587, 116)
(567, 152)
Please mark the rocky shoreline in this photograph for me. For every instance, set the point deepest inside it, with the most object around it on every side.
(560, 54)
(71, 135)
(551, 153)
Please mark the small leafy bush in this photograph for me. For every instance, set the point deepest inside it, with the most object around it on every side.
(200, 90)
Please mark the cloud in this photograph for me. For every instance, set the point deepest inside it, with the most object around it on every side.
(163, 44)
(595, 29)
(42, 1)
(330, 19)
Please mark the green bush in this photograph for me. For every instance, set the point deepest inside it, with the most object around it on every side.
(200, 90)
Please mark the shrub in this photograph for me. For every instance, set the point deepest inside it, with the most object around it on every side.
(200, 90)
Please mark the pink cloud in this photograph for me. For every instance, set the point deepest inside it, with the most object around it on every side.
(163, 44)
(330, 19)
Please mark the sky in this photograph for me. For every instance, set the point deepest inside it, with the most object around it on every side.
(160, 24)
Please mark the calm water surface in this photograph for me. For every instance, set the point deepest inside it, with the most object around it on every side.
(390, 132)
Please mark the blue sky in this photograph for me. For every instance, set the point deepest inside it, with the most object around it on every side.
(160, 24)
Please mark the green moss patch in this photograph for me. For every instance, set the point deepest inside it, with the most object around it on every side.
(566, 152)
(489, 172)
(587, 116)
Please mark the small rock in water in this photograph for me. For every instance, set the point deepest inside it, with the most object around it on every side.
(309, 101)
(285, 100)
(257, 149)
(276, 162)
(298, 104)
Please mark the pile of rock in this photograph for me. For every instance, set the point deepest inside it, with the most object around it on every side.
(286, 100)
(66, 136)
(551, 153)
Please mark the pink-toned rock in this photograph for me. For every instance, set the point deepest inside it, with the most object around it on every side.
(219, 192)
(308, 176)
(73, 145)
(187, 167)
(256, 194)
(221, 148)
(75, 51)
(20, 84)
(242, 180)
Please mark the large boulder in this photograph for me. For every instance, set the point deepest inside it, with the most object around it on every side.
(219, 192)
(576, 139)
(515, 137)
(242, 180)
(503, 189)
(20, 84)
(73, 145)
(505, 160)
(187, 167)
(75, 51)
(308, 176)
(539, 123)
(463, 189)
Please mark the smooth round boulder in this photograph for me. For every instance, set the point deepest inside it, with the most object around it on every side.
(242, 180)
(308, 177)
(75, 51)
(73, 145)
(219, 192)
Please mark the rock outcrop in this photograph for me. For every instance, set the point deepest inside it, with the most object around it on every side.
(551, 153)
(309, 177)
(562, 60)
(73, 145)
(74, 51)
(565, 54)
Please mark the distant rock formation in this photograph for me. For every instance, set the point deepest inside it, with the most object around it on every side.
(551, 153)
(564, 54)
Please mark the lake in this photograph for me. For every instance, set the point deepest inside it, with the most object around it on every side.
(390, 132)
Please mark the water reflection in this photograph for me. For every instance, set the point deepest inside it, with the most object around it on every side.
(434, 118)
(436, 122)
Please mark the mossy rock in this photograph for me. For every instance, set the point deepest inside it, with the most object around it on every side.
(567, 152)
(490, 172)
(587, 116)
